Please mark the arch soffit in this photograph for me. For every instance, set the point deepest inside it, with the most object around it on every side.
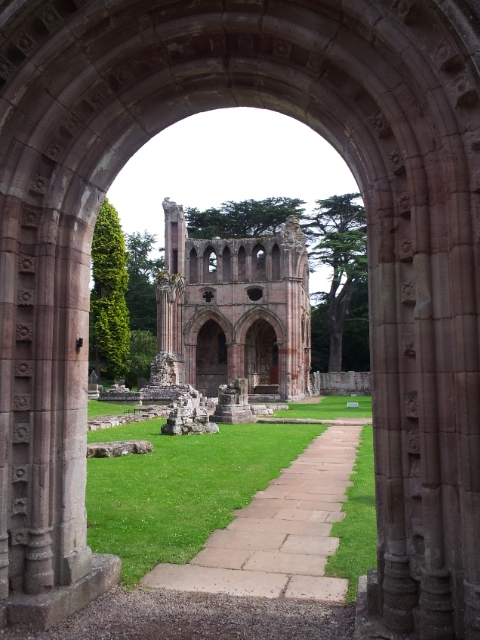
(251, 316)
(107, 109)
(202, 316)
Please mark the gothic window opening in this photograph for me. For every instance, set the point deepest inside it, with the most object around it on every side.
(259, 263)
(209, 265)
(208, 296)
(193, 267)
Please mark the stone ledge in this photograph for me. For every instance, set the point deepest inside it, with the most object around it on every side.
(42, 611)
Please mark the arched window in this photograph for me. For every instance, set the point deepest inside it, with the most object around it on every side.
(226, 273)
(242, 264)
(193, 267)
(275, 262)
(209, 265)
(259, 271)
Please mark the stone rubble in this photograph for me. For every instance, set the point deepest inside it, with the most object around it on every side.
(117, 449)
(188, 418)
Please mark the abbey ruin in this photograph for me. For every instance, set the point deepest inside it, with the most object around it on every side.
(394, 86)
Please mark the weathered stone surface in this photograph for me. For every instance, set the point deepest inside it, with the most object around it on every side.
(149, 412)
(116, 449)
(353, 71)
(41, 612)
(254, 294)
(188, 418)
(233, 407)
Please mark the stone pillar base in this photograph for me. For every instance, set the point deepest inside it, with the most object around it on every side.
(40, 612)
(368, 626)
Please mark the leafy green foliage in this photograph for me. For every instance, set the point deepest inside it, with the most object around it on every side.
(161, 507)
(249, 218)
(142, 269)
(143, 348)
(358, 530)
(111, 331)
(338, 235)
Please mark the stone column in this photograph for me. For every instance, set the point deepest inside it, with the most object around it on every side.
(236, 361)
(234, 263)
(163, 320)
(248, 266)
(268, 264)
(191, 364)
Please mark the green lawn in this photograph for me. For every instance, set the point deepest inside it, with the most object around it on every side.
(161, 507)
(96, 408)
(357, 531)
(329, 408)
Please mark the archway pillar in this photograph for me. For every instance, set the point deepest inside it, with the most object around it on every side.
(191, 364)
(236, 361)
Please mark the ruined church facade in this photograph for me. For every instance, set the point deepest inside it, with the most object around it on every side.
(236, 308)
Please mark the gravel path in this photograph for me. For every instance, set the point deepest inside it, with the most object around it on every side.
(161, 614)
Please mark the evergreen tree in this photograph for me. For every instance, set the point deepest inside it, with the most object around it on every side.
(249, 218)
(142, 269)
(111, 331)
(337, 229)
(143, 349)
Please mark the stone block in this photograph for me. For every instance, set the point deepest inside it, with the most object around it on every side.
(42, 611)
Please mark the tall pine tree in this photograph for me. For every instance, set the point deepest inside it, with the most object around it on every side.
(111, 331)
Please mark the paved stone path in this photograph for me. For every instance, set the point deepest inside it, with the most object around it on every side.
(279, 544)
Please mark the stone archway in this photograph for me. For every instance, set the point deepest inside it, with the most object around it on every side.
(211, 358)
(261, 358)
(394, 86)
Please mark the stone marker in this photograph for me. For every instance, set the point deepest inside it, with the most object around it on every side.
(352, 405)
(233, 407)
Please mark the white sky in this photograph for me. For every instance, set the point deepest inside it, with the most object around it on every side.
(228, 154)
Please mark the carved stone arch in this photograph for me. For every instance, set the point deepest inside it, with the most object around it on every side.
(394, 86)
(251, 316)
(200, 318)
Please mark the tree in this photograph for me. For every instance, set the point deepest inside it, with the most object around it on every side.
(338, 234)
(356, 351)
(141, 296)
(111, 331)
(249, 218)
(143, 348)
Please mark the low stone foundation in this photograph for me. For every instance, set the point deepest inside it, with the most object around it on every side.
(40, 612)
(117, 449)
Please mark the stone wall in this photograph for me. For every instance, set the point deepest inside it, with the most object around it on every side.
(343, 383)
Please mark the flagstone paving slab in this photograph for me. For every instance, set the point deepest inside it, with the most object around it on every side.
(291, 563)
(281, 526)
(189, 577)
(317, 588)
(222, 558)
(227, 539)
(278, 546)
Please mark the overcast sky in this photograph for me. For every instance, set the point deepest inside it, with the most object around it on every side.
(228, 154)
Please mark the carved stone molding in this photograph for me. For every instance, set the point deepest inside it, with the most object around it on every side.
(409, 293)
(24, 332)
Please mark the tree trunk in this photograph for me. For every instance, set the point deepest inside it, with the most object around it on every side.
(335, 360)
